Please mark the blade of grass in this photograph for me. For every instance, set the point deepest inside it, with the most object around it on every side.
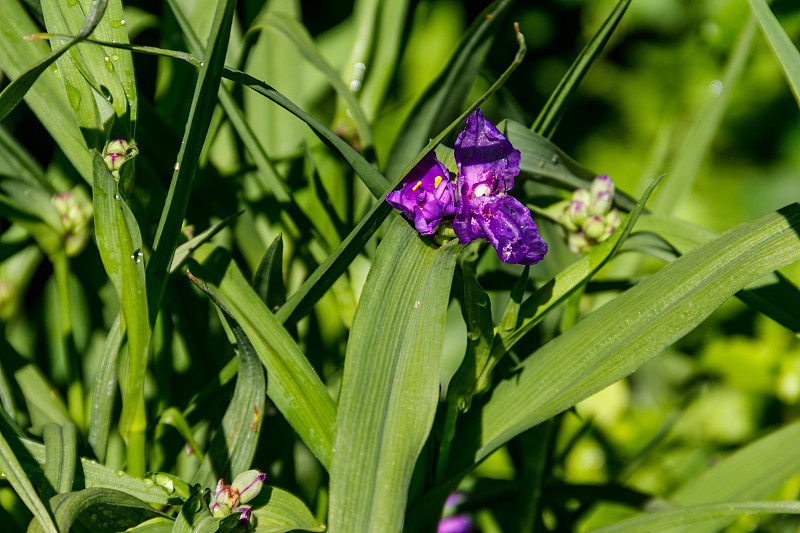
(666, 520)
(61, 456)
(104, 391)
(611, 342)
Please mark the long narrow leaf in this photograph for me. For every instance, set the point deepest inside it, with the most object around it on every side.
(234, 445)
(547, 121)
(14, 473)
(782, 46)
(612, 342)
(120, 244)
(292, 384)
(396, 366)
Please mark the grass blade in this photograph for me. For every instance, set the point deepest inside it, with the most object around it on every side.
(61, 455)
(666, 520)
(104, 391)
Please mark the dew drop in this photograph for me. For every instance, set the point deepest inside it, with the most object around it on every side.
(177, 166)
(108, 64)
(115, 57)
(137, 257)
(122, 22)
(120, 473)
(554, 160)
(715, 87)
(148, 482)
(72, 2)
(73, 95)
(117, 197)
(202, 64)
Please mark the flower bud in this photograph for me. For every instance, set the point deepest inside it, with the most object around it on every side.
(602, 195)
(612, 219)
(578, 243)
(75, 212)
(594, 227)
(248, 484)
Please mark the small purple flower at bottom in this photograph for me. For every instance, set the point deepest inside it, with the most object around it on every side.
(487, 165)
(459, 523)
(427, 194)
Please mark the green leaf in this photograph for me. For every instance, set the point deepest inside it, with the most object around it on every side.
(396, 366)
(753, 472)
(61, 456)
(278, 511)
(550, 115)
(13, 472)
(666, 520)
(268, 280)
(445, 95)
(120, 244)
(292, 384)
(299, 36)
(782, 46)
(234, 445)
(773, 294)
(615, 340)
(46, 97)
(104, 391)
(100, 510)
(203, 104)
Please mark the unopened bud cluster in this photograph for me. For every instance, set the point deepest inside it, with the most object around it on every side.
(118, 157)
(76, 214)
(589, 216)
(232, 498)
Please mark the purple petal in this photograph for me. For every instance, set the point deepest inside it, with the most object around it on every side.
(487, 163)
(508, 225)
(460, 523)
(426, 195)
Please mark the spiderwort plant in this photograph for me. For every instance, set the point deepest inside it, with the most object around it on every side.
(232, 498)
(487, 165)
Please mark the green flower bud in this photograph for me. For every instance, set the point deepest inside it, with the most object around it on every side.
(248, 484)
(578, 243)
(594, 227)
(75, 211)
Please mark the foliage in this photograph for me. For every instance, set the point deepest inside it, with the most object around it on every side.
(212, 289)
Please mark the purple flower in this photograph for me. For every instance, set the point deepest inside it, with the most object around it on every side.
(487, 165)
(427, 195)
(459, 523)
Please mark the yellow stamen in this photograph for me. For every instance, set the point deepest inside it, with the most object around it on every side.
(415, 187)
(437, 181)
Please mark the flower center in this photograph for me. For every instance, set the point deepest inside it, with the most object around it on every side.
(481, 190)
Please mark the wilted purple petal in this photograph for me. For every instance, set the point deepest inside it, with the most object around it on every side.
(426, 196)
(487, 163)
(508, 225)
(460, 523)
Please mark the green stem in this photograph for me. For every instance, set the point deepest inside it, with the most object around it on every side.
(135, 453)
(448, 433)
(75, 395)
